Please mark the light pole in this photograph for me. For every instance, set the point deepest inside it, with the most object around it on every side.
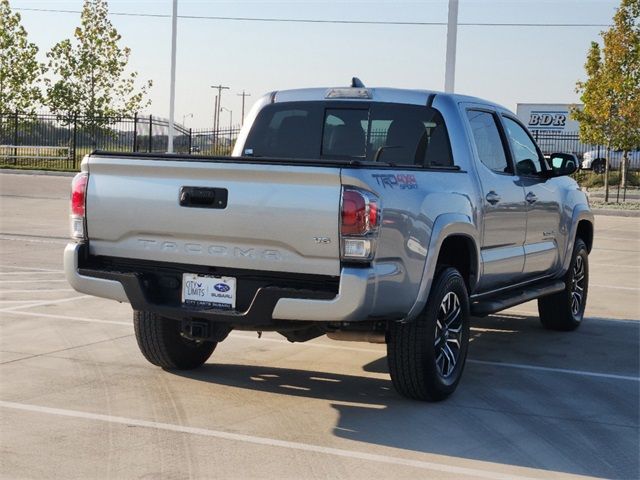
(452, 36)
(230, 118)
(172, 95)
(190, 115)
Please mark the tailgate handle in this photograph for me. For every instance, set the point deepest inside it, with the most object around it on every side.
(203, 197)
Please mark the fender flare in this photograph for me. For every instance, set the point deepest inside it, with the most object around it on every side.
(580, 212)
(445, 225)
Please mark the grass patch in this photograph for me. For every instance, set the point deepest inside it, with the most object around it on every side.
(590, 179)
(616, 206)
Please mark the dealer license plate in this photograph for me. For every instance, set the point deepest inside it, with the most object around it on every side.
(208, 291)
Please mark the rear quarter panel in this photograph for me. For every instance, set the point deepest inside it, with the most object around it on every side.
(412, 201)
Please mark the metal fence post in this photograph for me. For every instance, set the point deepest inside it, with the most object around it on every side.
(150, 133)
(190, 133)
(75, 139)
(135, 131)
(625, 160)
(15, 138)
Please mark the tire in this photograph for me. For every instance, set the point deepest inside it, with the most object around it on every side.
(418, 365)
(598, 166)
(564, 310)
(162, 344)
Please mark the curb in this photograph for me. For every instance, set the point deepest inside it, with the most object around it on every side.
(51, 173)
(615, 213)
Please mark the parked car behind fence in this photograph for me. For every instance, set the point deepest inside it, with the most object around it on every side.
(595, 159)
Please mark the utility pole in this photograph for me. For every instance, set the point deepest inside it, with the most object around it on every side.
(452, 35)
(243, 95)
(219, 105)
(215, 112)
(172, 96)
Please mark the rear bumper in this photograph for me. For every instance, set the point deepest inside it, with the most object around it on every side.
(99, 287)
(353, 301)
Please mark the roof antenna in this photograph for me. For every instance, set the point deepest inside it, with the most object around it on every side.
(356, 83)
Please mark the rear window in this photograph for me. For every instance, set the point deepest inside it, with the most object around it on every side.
(385, 132)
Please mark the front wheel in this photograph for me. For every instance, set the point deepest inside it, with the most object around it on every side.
(426, 356)
(161, 342)
(564, 310)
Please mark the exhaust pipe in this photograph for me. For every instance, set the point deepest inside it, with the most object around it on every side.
(356, 336)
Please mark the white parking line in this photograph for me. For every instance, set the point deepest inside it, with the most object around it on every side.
(31, 273)
(534, 313)
(380, 351)
(635, 289)
(75, 319)
(32, 281)
(16, 301)
(597, 264)
(555, 370)
(621, 239)
(479, 362)
(30, 239)
(39, 290)
(270, 442)
(47, 302)
(31, 268)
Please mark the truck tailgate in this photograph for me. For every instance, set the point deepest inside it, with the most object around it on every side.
(273, 217)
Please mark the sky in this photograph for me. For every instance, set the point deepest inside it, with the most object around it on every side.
(507, 65)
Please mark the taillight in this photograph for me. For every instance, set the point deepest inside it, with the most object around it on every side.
(360, 218)
(354, 215)
(78, 205)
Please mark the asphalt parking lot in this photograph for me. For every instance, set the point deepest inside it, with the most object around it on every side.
(77, 399)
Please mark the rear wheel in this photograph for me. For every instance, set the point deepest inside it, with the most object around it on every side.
(161, 342)
(564, 310)
(427, 356)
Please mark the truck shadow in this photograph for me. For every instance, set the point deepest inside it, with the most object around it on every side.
(498, 415)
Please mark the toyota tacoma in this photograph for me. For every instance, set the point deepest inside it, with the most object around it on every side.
(366, 214)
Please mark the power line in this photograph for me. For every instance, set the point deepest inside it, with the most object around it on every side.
(329, 21)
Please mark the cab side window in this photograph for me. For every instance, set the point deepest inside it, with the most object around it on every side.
(525, 153)
(487, 140)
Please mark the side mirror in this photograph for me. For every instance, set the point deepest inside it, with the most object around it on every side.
(563, 164)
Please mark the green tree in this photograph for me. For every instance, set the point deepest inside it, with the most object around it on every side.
(20, 71)
(611, 92)
(90, 72)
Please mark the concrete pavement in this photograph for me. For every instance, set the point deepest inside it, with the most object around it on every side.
(77, 399)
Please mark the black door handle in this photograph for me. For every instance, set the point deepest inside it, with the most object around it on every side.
(492, 197)
(531, 197)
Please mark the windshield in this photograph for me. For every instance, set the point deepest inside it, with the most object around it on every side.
(386, 132)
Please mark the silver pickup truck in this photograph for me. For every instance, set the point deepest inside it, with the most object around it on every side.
(366, 214)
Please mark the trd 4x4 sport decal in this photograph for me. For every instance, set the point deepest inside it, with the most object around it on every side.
(401, 180)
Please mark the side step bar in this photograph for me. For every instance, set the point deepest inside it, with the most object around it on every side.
(515, 297)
